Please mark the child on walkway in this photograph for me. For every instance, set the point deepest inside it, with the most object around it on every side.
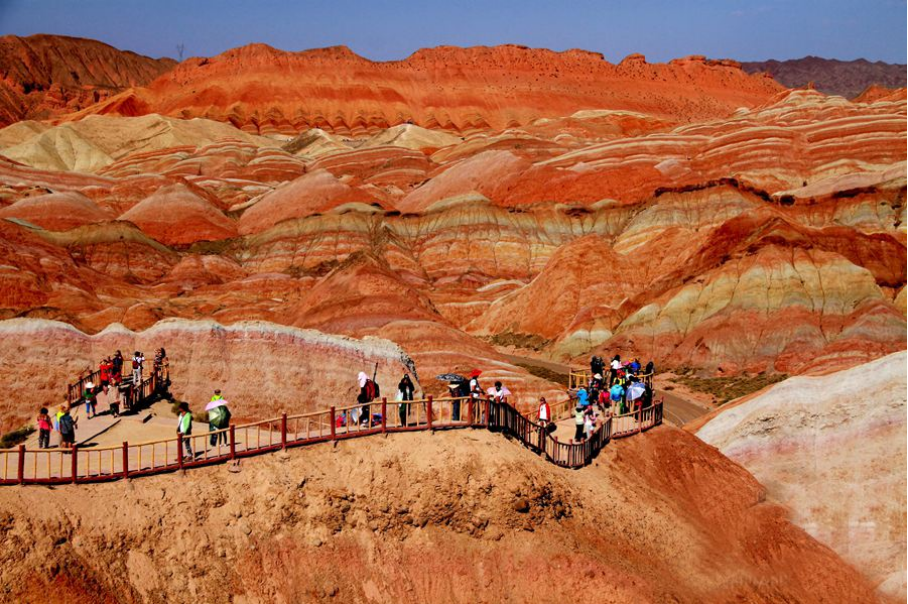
(44, 426)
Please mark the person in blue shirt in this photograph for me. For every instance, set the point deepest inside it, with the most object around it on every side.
(583, 397)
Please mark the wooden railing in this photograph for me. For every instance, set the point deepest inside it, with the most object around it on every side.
(96, 464)
(133, 396)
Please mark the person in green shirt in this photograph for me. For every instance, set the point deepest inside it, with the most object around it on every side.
(184, 427)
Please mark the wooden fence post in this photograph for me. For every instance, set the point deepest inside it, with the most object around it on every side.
(384, 414)
(180, 450)
(74, 468)
(429, 411)
(232, 441)
(283, 431)
(125, 459)
(470, 409)
(21, 469)
(333, 423)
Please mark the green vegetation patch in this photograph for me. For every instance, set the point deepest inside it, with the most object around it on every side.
(519, 340)
(546, 374)
(15, 437)
(726, 389)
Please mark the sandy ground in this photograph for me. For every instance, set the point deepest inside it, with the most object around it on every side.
(461, 516)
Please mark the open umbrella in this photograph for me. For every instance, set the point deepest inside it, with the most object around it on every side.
(450, 377)
(218, 403)
(635, 391)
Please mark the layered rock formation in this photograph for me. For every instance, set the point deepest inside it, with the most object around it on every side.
(784, 223)
(832, 448)
(447, 517)
(268, 91)
(42, 75)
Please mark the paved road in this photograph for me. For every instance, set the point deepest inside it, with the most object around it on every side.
(677, 410)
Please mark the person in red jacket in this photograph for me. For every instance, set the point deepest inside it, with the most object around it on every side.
(105, 369)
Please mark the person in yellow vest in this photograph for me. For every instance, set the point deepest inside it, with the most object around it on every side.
(184, 427)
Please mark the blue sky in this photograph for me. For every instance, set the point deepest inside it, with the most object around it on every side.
(384, 30)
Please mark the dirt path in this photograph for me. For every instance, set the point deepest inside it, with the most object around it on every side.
(677, 409)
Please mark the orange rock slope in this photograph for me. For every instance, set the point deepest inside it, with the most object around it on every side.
(44, 75)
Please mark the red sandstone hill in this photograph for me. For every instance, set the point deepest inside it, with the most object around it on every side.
(44, 75)
(265, 90)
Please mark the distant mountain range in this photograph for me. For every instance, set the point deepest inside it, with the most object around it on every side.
(831, 76)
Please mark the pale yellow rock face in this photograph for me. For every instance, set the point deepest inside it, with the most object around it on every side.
(833, 449)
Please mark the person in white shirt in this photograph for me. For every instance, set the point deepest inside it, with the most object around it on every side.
(613, 369)
(499, 393)
(545, 412)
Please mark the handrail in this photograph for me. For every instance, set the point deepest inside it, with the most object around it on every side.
(96, 464)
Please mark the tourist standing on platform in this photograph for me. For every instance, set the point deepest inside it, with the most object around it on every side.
(113, 399)
(138, 361)
(579, 419)
(613, 370)
(67, 429)
(405, 390)
(499, 393)
(105, 368)
(117, 362)
(544, 415)
(475, 393)
(88, 395)
(368, 392)
(44, 427)
(218, 418)
(184, 428)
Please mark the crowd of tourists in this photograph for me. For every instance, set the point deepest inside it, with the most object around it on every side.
(622, 389)
(113, 391)
(614, 389)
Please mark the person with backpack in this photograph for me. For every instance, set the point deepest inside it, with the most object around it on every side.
(597, 365)
(405, 390)
(368, 392)
(117, 362)
(68, 426)
(44, 426)
(184, 428)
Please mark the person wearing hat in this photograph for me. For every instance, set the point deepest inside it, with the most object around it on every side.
(184, 428)
(88, 395)
(475, 390)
